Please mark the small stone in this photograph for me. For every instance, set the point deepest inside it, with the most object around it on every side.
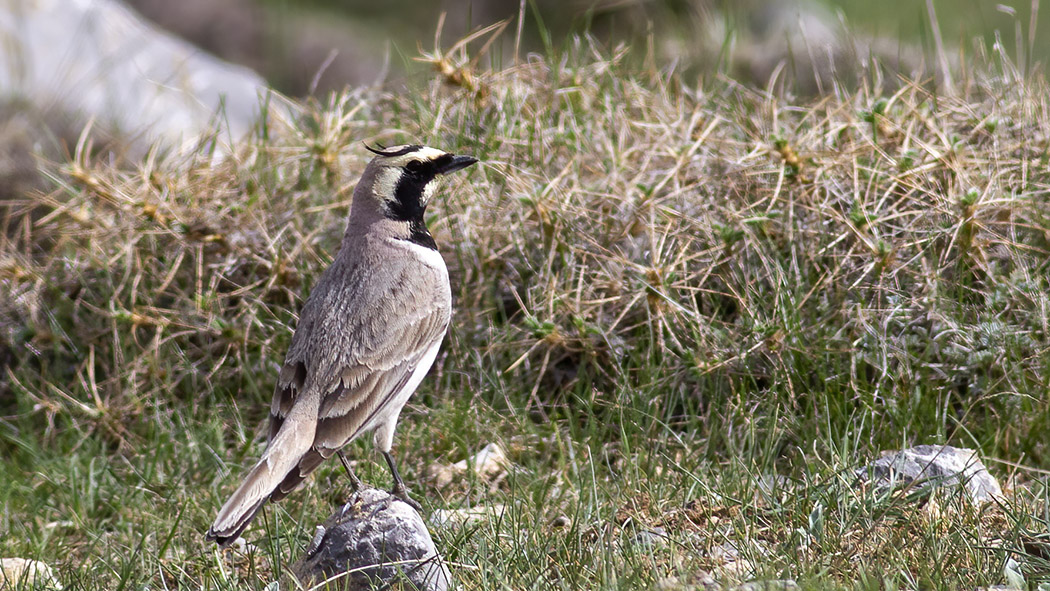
(696, 581)
(673, 584)
(241, 545)
(561, 521)
(704, 580)
(465, 517)
(22, 573)
(731, 563)
(771, 484)
(489, 464)
(375, 539)
(773, 585)
(650, 538)
(934, 466)
(1013, 575)
(726, 552)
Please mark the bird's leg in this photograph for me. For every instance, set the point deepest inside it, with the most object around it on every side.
(355, 482)
(400, 491)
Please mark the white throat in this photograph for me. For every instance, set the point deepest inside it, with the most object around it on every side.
(427, 256)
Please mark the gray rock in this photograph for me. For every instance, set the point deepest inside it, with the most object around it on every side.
(934, 466)
(99, 61)
(374, 539)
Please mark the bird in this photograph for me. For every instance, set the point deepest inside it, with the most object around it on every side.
(366, 336)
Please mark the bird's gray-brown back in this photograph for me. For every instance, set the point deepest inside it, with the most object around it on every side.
(373, 308)
(372, 296)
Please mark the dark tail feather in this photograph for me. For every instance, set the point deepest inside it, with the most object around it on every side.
(227, 535)
(262, 481)
(308, 464)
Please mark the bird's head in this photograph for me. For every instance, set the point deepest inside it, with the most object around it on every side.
(396, 187)
(404, 175)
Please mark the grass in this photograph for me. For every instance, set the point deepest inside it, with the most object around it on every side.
(688, 311)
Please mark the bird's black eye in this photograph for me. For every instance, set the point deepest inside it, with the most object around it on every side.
(414, 166)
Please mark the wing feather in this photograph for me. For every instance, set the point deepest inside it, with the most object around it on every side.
(358, 343)
(364, 384)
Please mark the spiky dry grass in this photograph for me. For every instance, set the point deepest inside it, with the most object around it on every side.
(666, 293)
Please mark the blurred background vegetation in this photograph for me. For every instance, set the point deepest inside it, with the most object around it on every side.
(357, 41)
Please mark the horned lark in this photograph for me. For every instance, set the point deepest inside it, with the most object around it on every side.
(368, 333)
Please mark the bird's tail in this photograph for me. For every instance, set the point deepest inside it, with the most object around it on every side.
(281, 458)
(244, 504)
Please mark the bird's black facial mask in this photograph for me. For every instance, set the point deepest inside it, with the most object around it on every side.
(410, 193)
(426, 170)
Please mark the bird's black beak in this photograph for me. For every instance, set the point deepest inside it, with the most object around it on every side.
(454, 163)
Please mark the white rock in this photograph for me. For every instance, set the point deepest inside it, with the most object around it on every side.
(772, 585)
(99, 61)
(934, 466)
(466, 517)
(22, 573)
(651, 538)
(489, 464)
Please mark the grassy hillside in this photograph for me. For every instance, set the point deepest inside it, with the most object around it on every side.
(692, 309)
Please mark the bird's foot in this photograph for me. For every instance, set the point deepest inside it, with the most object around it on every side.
(401, 493)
